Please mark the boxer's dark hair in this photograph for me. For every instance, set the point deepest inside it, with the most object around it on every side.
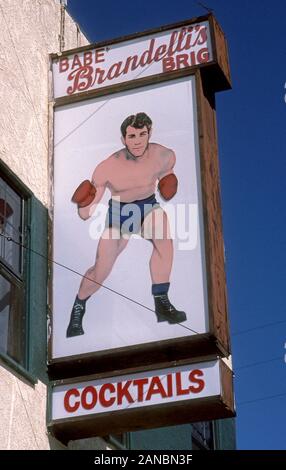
(138, 121)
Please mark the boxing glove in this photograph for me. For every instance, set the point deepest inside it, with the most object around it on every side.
(84, 194)
(168, 186)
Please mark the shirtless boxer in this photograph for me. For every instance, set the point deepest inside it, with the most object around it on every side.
(131, 175)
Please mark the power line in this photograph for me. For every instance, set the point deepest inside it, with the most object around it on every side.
(10, 239)
(28, 416)
(143, 306)
(254, 364)
(108, 100)
(266, 325)
(205, 7)
(270, 397)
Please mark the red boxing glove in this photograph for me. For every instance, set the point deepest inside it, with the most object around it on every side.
(168, 186)
(84, 194)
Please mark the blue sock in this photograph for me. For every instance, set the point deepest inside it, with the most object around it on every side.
(160, 289)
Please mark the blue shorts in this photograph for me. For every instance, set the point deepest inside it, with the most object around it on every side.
(129, 216)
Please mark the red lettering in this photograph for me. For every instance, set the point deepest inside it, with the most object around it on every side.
(140, 385)
(82, 79)
(68, 407)
(114, 71)
(160, 52)
(189, 38)
(180, 390)
(203, 56)
(170, 385)
(64, 64)
(87, 58)
(133, 60)
(148, 59)
(84, 75)
(168, 64)
(182, 61)
(76, 62)
(103, 401)
(156, 387)
(200, 382)
(100, 73)
(193, 58)
(172, 43)
(122, 391)
(202, 37)
(93, 393)
(99, 56)
(180, 46)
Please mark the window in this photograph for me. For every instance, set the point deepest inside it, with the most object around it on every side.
(202, 436)
(12, 273)
(120, 441)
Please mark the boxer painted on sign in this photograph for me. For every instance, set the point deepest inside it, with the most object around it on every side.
(131, 175)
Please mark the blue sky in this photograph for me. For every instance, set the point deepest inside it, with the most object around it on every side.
(252, 149)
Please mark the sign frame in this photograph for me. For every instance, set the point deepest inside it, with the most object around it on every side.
(209, 78)
(218, 71)
(196, 409)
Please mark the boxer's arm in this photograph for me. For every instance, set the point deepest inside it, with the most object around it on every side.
(168, 162)
(99, 182)
(87, 211)
(168, 182)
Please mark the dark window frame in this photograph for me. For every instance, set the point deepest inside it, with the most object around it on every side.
(199, 440)
(20, 279)
(123, 443)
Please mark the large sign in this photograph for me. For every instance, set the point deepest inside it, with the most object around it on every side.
(123, 312)
(179, 48)
(138, 265)
(118, 403)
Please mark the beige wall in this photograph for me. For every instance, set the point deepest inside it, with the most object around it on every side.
(29, 32)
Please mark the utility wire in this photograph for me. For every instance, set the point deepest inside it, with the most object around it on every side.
(10, 239)
(143, 306)
(144, 69)
(266, 325)
(270, 397)
(28, 415)
(254, 364)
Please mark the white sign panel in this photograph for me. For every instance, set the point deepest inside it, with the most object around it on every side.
(163, 52)
(159, 387)
(111, 289)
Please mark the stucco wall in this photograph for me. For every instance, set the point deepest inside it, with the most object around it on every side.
(29, 32)
(23, 414)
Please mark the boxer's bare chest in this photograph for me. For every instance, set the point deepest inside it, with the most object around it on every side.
(127, 173)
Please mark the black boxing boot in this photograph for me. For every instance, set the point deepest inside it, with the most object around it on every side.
(75, 325)
(164, 310)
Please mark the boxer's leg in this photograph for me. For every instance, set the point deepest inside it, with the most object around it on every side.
(156, 229)
(109, 247)
(161, 265)
(107, 252)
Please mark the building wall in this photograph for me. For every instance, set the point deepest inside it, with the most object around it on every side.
(29, 33)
